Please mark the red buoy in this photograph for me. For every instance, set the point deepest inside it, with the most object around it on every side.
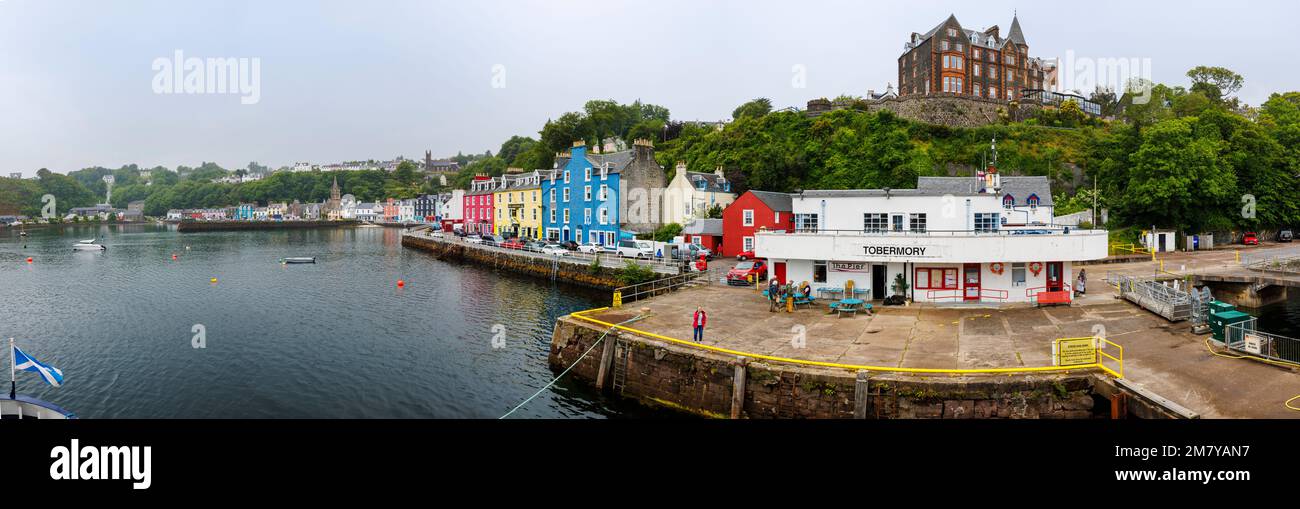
(173, 256)
(401, 283)
(29, 259)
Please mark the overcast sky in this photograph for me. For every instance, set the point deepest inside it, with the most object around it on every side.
(345, 80)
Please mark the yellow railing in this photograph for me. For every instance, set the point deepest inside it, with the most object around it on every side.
(1130, 248)
(581, 315)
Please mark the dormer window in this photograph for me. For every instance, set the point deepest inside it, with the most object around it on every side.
(1008, 201)
(1032, 201)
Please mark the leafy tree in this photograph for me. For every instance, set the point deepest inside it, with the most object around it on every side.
(755, 108)
(1216, 83)
(513, 147)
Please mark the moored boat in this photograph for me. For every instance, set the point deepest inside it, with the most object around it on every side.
(298, 259)
(88, 245)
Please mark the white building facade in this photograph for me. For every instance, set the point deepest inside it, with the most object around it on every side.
(953, 239)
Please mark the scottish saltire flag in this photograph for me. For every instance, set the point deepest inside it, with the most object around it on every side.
(23, 362)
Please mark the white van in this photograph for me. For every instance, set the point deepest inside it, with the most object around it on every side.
(636, 249)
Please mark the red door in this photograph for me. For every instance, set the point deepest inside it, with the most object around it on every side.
(971, 278)
(778, 271)
(1055, 278)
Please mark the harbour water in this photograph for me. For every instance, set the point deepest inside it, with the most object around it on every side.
(334, 339)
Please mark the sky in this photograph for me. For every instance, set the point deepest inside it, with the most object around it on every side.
(81, 82)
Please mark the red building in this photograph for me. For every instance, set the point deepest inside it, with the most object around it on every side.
(478, 205)
(750, 212)
(705, 232)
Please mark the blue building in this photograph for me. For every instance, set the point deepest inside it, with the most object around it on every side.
(580, 197)
(244, 212)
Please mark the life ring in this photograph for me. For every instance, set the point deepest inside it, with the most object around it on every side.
(1036, 267)
(996, 268)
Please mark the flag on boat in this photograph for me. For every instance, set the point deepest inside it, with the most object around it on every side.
(23, 362)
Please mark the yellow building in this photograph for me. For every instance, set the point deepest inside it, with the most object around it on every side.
(517, 204)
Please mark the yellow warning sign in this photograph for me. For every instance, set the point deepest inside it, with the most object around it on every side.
(1075, 351)
(618, 299)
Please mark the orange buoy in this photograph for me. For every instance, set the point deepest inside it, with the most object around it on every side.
(401, 283)
(29, 259)
(173, 256)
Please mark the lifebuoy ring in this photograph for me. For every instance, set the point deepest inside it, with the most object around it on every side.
(1036, 267)
(996, 268)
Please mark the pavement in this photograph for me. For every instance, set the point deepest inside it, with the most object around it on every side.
(1163, 357)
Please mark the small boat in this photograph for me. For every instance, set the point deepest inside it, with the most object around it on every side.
(89, 245)
(368, 224)
(25, 407)
(298, 259)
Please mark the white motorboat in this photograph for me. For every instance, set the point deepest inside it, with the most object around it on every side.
(89, 245)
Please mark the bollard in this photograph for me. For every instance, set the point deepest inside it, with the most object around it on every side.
(738, 387)
(606, 362)
(860, 387)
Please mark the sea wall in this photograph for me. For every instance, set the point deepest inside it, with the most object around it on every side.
(578, 273)
(710, 384)
(213, 226)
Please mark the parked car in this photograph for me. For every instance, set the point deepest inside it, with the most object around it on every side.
(570, 245)
(474, 239)
(493, 240)
(514, 243)
(436, 234)
(701, 250)
(590, 247)
(635, 249)
(740, 274)
(745, 255)
(554, 249)
(1285, 236)
(1250, 239)
(534, 246)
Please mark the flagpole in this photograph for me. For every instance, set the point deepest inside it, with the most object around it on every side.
(13, 380)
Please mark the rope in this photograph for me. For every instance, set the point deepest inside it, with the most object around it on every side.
(1260, 359)
(566, 370)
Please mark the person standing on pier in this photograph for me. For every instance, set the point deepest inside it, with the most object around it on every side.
(1080, 285)
(698, 321)
(773, 294)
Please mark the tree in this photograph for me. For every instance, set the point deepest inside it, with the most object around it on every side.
(1176, 179)
(1217, 83)
(755, 108)
(513, 147)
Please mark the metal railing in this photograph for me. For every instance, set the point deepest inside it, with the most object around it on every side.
(1272, 263)
(607, 259)
(1001, 231)
(661, 286)
(1168, 298)
(1245, 337)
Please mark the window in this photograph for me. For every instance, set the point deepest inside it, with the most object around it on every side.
(976, 91)
(952, 32)
(1018, 274)
(993, 93)
(566, 195)
(552, 195)
(749, 243)
(916, 223)
(977, 53)
(552, 215)
(805, 223)
(960, 47)
(896, 222)
(604, 192)
(1032, 201)
(586, 193)
(944, 45)
(875, 222)
(953, 85)
(566, 216)
(819, 271)
(1011, 60)
(604, 216)
(586, 174)
(993, 72)
(566, 176)
(748, 218)
(586, 216)
(777, 218)
(1008, 201)
(986, 221)
(936, 279)
(976, 69)
(1011, 75)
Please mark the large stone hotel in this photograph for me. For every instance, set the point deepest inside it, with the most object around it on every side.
(950, 59)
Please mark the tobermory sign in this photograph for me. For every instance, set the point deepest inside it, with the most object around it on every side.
(912, 251)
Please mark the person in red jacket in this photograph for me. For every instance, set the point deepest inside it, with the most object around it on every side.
(698, 321)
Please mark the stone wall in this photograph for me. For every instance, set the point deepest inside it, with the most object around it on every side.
(702, 383)
(570, 272)
(213, 226)
(948, 109)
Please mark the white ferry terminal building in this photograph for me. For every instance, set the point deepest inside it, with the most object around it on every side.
(983, 239)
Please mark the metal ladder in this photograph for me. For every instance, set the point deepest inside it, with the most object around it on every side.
(620, 365)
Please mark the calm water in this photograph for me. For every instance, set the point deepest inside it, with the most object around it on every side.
(336, 339)
(1283, 318)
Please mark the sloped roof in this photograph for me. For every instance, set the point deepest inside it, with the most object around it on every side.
(778, 202)
(1015, 35)
(1019, 188)
(618, 159)
(703, 227)
(713, 182)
